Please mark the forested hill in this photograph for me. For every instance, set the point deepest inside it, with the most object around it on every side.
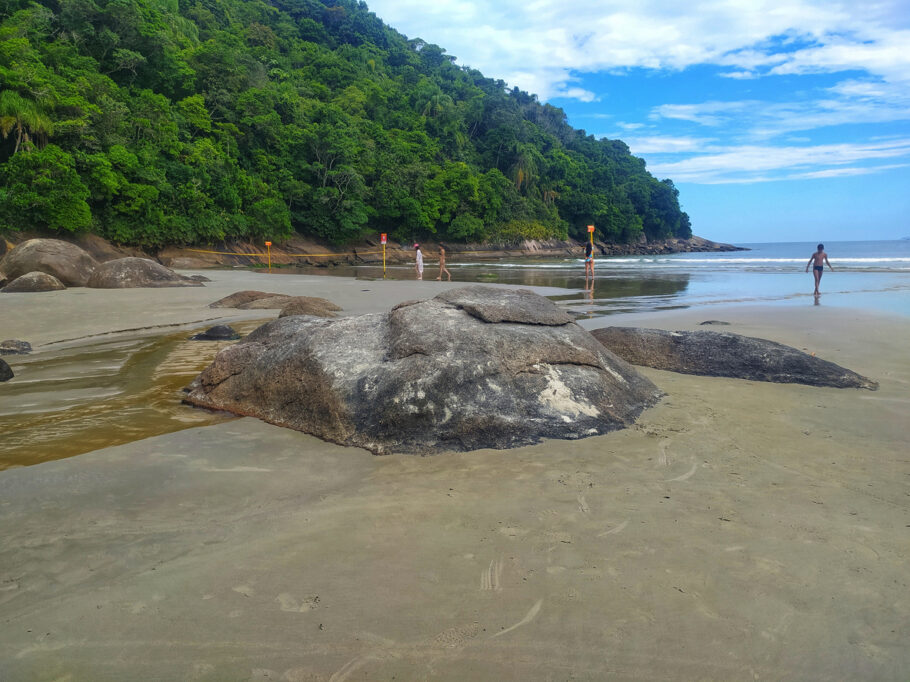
(154, 122)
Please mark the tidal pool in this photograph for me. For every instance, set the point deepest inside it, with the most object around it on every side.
(67, 399)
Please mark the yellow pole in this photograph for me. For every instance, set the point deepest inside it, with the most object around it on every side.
(383, 261)
(268, 246)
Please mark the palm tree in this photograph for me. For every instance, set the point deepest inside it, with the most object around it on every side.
(25, 118)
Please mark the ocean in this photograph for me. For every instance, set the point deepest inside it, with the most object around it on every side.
(872, 275)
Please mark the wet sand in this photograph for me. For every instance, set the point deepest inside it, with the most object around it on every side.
(741, 530)
(109, 365)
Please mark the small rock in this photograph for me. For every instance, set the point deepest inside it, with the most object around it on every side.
(309, 305)
(715, 322)
(33, 282)
(267, 303)
(200, 278)
(5, 372)
(15, 347)
(220, 332)
(241, 298)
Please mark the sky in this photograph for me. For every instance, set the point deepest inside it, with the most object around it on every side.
(776, 120)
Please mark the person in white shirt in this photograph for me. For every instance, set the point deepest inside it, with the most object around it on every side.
(418, 261)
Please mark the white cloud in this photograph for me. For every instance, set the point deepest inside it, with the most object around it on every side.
(668, 145)
(847, 172)
(579, 94)
(706, 113)
(538, 45)
(757, 163)
(850, 102)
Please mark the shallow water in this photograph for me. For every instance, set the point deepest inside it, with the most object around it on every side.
(79, 398)
(872, 275)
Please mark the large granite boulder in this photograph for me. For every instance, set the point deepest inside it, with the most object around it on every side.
(67, 262)
(130, 272)
(721, 354)
(33, 281)
(430, 376)
(309, 305)
(5, 372)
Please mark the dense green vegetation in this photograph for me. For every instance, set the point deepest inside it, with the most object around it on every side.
(157, 122)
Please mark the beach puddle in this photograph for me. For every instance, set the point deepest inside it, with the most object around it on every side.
(67, 401)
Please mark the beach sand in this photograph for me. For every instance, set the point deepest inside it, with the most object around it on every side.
(740, 531)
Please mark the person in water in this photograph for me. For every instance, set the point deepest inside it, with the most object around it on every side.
(589, 263)
(418, 261)
(442, 264)
(817, 260)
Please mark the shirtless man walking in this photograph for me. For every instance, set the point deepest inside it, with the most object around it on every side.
(442, 264)
(819, 258)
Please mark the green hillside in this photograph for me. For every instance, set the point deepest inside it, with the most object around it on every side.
(154, 122)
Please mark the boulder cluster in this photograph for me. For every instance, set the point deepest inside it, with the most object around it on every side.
(53, 264)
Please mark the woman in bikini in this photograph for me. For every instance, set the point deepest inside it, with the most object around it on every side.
(589, 263)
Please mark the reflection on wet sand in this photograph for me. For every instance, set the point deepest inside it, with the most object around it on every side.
(72, 400)
(623, 295)
(615, 293)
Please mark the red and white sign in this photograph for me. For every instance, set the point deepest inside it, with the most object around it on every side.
(590, 228)
(383, 238)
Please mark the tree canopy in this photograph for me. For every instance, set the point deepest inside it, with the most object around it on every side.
(154, 122)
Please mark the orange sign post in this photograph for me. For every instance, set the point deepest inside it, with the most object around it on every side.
(591, 232)
(268, 246)
(383, 237)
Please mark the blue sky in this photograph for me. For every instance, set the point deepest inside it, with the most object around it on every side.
(778, 121)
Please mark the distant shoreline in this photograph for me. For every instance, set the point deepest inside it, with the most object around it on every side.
(301, 250)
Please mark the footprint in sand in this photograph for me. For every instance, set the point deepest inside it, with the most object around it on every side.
(618, 529)
(289, 603)
(685, 476)
(491, 578)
